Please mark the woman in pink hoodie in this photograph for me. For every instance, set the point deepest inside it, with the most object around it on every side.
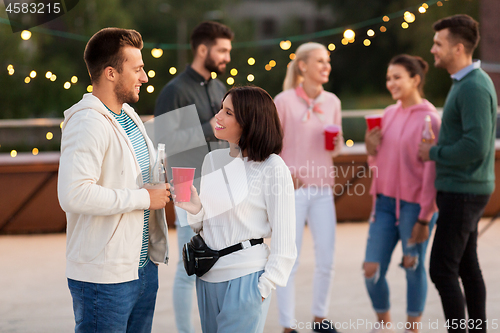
(404, 188)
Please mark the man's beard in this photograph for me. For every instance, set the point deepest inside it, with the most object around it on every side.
(211, 66)
(125, 96)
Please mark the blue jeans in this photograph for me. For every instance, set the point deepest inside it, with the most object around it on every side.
(183, 284)
(232, 306)
(383, 235)
(454, 256)
(116, 307)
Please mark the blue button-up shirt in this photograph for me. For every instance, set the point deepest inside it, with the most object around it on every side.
(466, 70)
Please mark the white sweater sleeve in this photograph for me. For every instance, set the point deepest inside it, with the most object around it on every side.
(83, 151)
(280, 203)
(196, 221)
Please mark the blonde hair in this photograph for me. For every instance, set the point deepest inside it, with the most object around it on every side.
(293, 74)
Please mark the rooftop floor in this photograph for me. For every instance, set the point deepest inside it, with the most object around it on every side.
(34, 296)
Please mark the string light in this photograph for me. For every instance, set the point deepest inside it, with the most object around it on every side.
(349, 143)
(61, 124)
(156, 53)
(230, 81)
(285, 44)
(89, 88)
(35, 151)
(13, 153)
(213, 75)
(150, 89)
(49, 136)
(349, 34)
(409, 17)
(25, 34)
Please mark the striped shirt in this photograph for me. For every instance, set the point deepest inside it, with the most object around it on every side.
(142, 154)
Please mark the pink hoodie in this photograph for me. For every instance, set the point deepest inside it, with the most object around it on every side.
(399, 172)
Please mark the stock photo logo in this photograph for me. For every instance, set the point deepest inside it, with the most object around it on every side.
(26, 14)
(181, 132)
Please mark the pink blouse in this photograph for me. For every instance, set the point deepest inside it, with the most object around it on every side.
(304, 140)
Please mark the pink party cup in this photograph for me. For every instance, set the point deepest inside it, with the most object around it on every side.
(331, 132)
(373, 121)
(182, 179)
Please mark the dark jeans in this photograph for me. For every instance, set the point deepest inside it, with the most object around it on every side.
(454, 255)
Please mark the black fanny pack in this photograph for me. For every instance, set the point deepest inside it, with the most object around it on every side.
(199, 258)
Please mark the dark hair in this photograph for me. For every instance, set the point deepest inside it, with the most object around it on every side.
(463, 29)
(414, 65)
(207, 32)
(105, 49)
(256, 113)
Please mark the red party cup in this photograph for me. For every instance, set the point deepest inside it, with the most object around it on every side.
(331, 132)
(183, 179)
(373, 121)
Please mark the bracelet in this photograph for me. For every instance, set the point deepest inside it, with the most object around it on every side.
(422, 222)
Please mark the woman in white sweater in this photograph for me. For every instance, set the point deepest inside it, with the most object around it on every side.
(246, 193)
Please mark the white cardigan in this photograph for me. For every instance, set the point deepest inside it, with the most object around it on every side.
(100, 189)
(243, 200)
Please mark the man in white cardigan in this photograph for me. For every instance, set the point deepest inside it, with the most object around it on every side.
(116, 232)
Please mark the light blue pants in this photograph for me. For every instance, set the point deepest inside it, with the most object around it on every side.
(183, 284)
(383, 236)
(232, 306)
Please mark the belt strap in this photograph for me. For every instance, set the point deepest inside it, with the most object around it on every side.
(240, 246)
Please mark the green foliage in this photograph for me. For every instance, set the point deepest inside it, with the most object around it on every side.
(357, 71)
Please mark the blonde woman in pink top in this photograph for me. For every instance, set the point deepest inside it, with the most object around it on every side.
(304, 109)
(403, 186)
